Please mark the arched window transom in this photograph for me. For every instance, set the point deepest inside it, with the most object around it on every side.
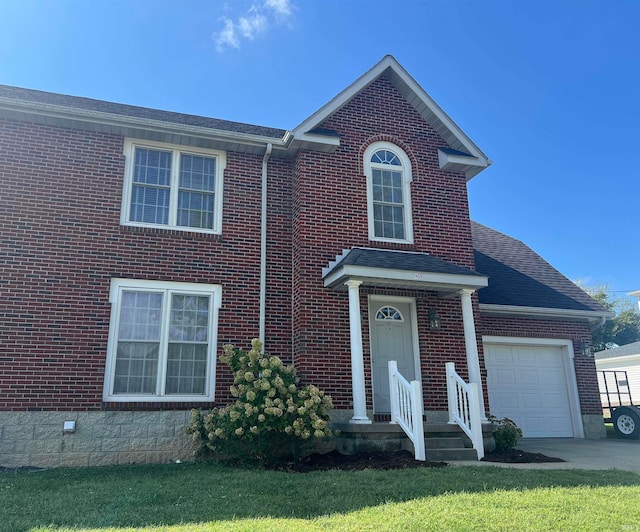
(389, 313)
(388, 173)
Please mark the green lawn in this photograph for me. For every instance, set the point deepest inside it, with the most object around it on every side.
(203, 496)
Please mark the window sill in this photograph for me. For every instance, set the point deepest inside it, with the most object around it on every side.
(386, 244)
(160, 405)
(171, 231)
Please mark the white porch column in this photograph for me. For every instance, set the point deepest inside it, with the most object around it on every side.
(357, 360)
(471, 344)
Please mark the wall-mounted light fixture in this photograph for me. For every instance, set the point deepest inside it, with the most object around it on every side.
(434, 319)
(585, 347)
(69, 427)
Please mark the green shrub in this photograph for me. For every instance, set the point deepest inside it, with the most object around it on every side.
(506, 434)
(272, 419)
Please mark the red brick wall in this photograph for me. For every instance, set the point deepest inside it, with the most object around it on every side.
(330, 214)
(61, 243)
(560, 329)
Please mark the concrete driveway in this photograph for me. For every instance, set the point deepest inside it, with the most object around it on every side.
(579, 454)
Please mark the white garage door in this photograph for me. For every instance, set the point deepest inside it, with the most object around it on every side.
(528, 384)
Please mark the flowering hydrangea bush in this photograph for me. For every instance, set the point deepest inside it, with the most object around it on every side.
(272, 417)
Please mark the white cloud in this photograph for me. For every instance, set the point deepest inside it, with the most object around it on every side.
(252, 26)
(256, 21)
(281, 7)
(227, 37)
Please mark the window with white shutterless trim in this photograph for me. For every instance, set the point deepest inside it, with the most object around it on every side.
(174, 187)
(162, 341)
(388, 172)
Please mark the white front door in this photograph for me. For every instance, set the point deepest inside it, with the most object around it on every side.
(391, 323)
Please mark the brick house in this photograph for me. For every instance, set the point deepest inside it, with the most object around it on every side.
(135, 242)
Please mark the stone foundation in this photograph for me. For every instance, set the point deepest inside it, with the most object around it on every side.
(103, 438)
(100, 438)
(593, 425)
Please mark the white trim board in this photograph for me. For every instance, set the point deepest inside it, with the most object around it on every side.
(417, 97)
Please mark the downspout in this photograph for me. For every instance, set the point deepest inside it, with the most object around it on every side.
(263, 248)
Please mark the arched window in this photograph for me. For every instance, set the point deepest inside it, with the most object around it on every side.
(388, 172)
(389, 313)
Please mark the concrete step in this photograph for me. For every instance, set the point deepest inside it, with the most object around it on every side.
(444, 429)
(449, 455)
(451, 442)
(443, 442)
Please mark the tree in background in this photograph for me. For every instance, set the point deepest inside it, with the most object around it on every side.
(623, 328)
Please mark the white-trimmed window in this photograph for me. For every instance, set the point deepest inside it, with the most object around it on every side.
(388, 172)
(173, 187)
(162, 341)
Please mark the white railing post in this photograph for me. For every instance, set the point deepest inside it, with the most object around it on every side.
(451, 392)
(393, 391)
(465, 407)
(418, 428)
(406, 408)
(475, 417)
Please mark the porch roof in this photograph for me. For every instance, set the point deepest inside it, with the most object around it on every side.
(400, 269)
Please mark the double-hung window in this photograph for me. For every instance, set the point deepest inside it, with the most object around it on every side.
(388, 172)
(162, 341)
(173, 187)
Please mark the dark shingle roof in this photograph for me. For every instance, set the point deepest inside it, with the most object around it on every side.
(520, 277)
(623, 350)
(75, 102)
(401, 260)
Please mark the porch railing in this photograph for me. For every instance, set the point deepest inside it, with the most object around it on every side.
(406, 408)
(464, 407)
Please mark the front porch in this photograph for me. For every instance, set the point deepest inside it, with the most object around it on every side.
(443, 441)
(400, 326)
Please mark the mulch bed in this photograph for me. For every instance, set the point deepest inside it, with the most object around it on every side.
(516, 456)
(359, 462)
(378, 460)
(400, 460)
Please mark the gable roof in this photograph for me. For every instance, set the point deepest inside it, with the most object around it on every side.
(521, 281)
(459, 155)
(622, 351)
(466, 156)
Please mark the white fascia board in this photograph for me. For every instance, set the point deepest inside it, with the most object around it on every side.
(343, 98)
(618, 359)
(414, 277)
(443, 117)
(543, 312)
(318, 139)
(470, 165)
(110, 119)
(369, 77)
(635, 293)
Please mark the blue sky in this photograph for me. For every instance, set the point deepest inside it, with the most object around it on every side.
(549, 90)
